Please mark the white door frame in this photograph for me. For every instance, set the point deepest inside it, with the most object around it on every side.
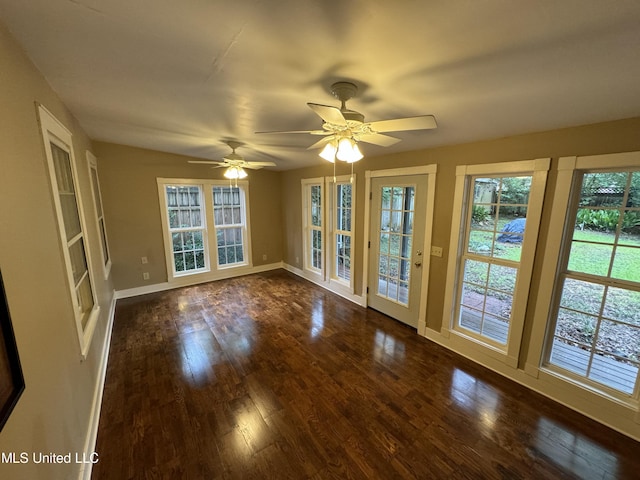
(430, 171)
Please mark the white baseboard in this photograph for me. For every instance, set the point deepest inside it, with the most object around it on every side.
(195, 280)
(333, 287)
(94, 416)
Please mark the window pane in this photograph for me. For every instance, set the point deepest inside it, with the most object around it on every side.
(78, 260)
(394, 246)
(200, 259)
(633, 199)
(96, 190)
(476, 272)
(582, 296)
(472, 296)
(189, 260)
(577, 326)
(385, 220)
(626, 264)
(495, 328)
(85, 300)
(386, 198)
(590, 258)
(103, 239)
(603, 189)
(503, 278)
(514, 191)
(176, 239)
(570, 356)
(630, 234)
(178, 259)
(480, 242)
(622, 305)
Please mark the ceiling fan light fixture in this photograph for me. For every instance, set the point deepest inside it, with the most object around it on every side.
(234, 173)
(329, 152)
(348, 151)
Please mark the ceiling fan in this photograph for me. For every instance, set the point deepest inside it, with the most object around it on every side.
(343, 128)
(234, 163)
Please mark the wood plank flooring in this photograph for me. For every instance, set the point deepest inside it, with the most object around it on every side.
(271, 377)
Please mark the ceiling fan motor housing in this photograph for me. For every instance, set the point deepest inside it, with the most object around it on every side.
(343, 91)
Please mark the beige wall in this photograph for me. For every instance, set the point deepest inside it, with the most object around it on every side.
(53, 413)
(132, 212)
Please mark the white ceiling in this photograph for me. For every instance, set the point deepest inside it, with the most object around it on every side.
(183, 76)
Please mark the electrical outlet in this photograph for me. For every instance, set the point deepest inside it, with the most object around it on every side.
(297, 260)
(145, 276)
(436, 251)
(264, 257)
(144, 260)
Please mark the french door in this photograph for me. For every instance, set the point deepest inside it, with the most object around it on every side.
(397, 226)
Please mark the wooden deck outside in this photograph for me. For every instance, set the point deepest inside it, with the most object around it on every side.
(608, 371)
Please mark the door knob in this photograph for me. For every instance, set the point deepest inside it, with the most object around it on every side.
(418, 264)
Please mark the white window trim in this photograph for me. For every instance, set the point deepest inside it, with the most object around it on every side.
(210, 242)
(535, 366)
(538, 168)
(92, 162)
(55, 132)
(331, 255)
(307, 183)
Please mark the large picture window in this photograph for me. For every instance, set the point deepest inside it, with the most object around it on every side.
(62, 171)
(202, 218)
(595, 334)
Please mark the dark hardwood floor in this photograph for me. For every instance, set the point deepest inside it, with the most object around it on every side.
(271, 377)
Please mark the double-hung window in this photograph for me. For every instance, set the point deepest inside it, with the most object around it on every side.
(186, 228)
(230, 225)
(593, 338)
(313, 225)
(97, 203)
(327, 220)
(63, 176)
(496, 218)
(341, 213)
(201, 219)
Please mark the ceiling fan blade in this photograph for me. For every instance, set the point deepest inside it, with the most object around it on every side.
(207, 162)
(378, 139)
(423, 122)
(260, 164)
(320, 143)
(311, 132)
(329, 114)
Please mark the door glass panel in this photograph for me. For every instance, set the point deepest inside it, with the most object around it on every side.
(394, 258)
